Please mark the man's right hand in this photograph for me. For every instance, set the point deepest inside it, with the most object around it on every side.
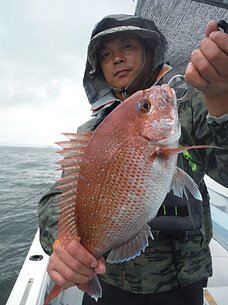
(73, 265)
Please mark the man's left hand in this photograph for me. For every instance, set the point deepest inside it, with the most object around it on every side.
(208, 69)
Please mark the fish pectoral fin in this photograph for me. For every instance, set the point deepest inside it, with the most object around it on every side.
(182, 181)
(131, 248)
(93, 288)
(165, 152)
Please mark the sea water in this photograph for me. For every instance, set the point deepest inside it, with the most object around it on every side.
(25, 175)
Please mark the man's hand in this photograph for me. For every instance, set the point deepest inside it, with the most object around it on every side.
(208, 69)
(73, 265)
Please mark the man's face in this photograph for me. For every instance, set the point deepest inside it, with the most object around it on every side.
(120, 59)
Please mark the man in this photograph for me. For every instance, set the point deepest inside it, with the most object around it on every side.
(127, 54)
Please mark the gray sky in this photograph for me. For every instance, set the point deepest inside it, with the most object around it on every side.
(43, 46)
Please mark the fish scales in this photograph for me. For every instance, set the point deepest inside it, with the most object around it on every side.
(116, 178)
(118, 185)
(111, 193)
(118, 175)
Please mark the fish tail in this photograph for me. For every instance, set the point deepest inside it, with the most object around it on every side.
(56, 290)
(93, 288)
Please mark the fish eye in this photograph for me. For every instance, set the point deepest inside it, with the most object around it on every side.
(144, 106)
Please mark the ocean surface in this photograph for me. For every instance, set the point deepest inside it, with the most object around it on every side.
(25, 175)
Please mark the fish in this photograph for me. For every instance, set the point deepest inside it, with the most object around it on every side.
(115, 179)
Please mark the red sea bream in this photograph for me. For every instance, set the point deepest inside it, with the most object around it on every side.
(116, 178)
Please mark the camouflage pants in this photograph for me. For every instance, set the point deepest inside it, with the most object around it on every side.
(187, 295)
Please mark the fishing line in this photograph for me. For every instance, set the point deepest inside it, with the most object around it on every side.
(23, 202)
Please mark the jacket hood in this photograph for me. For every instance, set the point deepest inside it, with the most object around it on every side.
(95, 86)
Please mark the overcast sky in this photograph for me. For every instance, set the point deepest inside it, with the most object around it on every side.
(43, 46)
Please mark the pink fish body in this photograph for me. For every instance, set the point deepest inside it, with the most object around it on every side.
(116, 178)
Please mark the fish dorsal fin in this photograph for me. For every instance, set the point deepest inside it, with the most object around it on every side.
(182, 181)
(131, 248)
(73, 154)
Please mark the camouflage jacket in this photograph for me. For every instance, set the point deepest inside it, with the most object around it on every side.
(174, 257)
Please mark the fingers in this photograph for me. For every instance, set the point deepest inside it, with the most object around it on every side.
(208, 60)
(61, 274)
(212, 59)
(211, 26)
(76, 249)
(100, 268)
(208, 70)
(193, 76)
(221, 40)
(72, 265)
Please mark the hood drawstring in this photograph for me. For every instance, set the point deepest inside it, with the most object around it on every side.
(124, 94)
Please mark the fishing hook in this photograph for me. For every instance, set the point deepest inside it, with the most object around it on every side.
(178, 81)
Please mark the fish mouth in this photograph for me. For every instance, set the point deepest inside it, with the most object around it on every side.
(169, 90)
